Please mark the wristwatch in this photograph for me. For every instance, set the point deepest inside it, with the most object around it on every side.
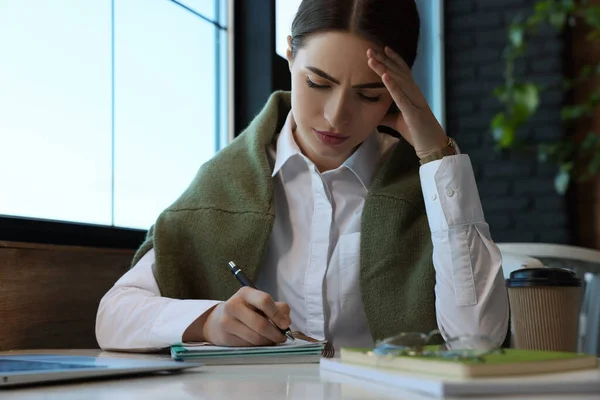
(449, 149)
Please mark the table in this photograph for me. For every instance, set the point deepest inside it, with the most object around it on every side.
(265, 382)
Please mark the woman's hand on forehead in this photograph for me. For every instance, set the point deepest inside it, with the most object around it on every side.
(415, 121)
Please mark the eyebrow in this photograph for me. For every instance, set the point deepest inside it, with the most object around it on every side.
(325, 75)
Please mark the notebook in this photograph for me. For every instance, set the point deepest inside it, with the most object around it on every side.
(298, 351)
(510, 362)
(573, 382)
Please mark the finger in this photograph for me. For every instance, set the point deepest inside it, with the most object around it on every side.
(247, 335)
(402, 82)
(397, 93)
(376, 66)
(260, 300)
(282, 318)
(395, 90)
(396, 58)
(259, 324)
(390, 64)
(405, 82)
(399, 71)
(235, 341)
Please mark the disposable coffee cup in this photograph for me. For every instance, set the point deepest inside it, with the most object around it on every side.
(544, 305)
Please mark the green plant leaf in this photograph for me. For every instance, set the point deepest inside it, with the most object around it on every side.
(592, 16)
(591, 140)
(558, 19)
(526, 101)
(503, 131)
(586, 71)
(543, 153)
(562, 180)
(516, 33)
(543, 6)
(576, 158)
(501, 93)
(568, 5)
(594, 166)
(568, 113)
(594, 99)
(593, 35)
(498, 125)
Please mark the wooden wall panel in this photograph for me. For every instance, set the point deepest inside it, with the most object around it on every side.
(586, 196)
(49, 294)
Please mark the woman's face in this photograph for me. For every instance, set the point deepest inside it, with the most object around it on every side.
(337, 100)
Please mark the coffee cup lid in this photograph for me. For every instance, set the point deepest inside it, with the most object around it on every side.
(531, 277)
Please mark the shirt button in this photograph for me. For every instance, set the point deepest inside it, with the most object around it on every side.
(449, 192)
(434, 197)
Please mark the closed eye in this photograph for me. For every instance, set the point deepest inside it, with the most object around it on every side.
(372, 99)
(363, 96)
(311, 84)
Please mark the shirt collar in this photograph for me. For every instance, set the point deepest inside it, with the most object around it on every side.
(364, 162)
(286, 145)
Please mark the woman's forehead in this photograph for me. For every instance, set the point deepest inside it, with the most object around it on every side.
(340, 54)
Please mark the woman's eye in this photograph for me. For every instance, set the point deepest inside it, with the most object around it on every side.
(311, 84)
(372, 99)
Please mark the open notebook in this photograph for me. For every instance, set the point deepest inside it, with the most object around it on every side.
(306, 350)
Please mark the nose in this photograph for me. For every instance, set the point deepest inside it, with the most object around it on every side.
(337, 111)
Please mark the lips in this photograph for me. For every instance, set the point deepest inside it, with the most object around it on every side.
(330, 138)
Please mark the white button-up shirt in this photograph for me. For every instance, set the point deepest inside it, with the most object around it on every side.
(312, 262)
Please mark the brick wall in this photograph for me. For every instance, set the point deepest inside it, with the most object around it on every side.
(517, 193)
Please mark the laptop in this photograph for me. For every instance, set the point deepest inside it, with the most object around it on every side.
(40, 368)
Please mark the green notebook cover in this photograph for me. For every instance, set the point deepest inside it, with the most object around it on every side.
(509, 362)
(508, 356)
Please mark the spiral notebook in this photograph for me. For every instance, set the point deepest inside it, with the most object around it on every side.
(302, 350)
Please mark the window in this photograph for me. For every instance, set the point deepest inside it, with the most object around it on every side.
(428, 70)
(109, 107)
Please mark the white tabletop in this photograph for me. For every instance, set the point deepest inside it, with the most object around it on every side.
(263, 382)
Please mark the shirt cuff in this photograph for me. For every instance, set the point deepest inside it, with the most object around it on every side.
(450, 193)
(175, 317)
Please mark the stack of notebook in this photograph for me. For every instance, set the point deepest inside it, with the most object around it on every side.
(513, 372)
(298, 351)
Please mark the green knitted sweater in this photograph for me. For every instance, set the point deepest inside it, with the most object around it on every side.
(227, 213)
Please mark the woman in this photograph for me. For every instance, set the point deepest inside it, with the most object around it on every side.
(350, 239)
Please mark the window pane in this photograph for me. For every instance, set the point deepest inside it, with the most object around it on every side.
(55, 129)
(204, 7)
(285, 11)
(164, 105)
(223, 12)
(428, 70)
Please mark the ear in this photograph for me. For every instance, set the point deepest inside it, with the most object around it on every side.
(288, 52)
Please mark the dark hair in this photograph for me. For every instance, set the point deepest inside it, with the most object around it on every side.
(393, 23)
